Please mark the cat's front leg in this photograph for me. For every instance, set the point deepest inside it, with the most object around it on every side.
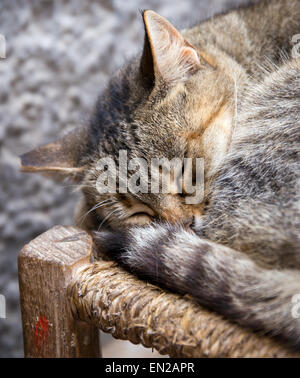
(136, 248)
(218, 277)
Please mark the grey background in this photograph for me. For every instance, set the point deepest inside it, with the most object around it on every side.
(59, 55)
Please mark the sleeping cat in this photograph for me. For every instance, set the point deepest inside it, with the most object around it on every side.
(228, 91)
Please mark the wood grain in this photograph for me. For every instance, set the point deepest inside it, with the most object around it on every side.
(46, 266)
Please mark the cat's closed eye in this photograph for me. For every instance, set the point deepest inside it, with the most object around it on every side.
(126, 209)
(139, 219)
(140, 214)
(140, 209)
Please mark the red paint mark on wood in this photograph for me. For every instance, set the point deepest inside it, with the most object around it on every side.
(41, 330)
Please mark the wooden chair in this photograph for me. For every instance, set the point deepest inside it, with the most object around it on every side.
(66, 298)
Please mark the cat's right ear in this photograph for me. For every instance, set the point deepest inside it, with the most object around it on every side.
(167, 56)
(60, 159)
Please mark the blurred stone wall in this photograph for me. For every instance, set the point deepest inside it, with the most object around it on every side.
(59, 55)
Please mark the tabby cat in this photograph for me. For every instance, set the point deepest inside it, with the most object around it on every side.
(227, 90)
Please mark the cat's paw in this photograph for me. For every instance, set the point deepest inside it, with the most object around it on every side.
(110, 244)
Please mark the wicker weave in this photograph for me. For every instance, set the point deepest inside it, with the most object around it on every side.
(115, 301)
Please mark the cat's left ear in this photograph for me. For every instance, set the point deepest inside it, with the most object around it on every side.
(167, 56)
(60, 159)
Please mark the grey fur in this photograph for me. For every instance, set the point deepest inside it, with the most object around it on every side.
(239, 108)
(253, 272)
(255, 209)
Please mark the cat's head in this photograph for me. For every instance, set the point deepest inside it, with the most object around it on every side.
(176, 101)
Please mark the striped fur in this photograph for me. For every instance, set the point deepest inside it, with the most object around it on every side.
(228, 91)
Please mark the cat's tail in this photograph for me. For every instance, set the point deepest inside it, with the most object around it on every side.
(218, 277)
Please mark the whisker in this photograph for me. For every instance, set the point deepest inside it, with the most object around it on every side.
(97, 206)
(106, 218)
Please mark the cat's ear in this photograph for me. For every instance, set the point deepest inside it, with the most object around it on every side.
(167, 56)
(60, 159)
